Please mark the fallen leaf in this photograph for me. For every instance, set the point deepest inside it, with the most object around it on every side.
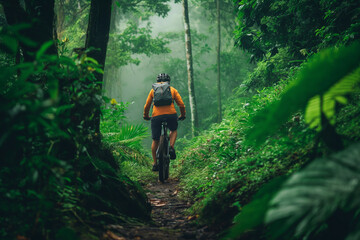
(157, 202)
(193, 217)
(112, 236)
(19, 237)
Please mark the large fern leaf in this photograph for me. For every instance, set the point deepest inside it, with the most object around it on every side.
(320, 202)
(316, 77)
(336, 94)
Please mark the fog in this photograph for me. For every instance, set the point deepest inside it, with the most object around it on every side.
(135, 80)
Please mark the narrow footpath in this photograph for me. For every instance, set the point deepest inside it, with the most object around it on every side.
(169, 217)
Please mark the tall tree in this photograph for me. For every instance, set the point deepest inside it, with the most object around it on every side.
(218, 59)
(190, 70)
(39, 15)
(97, 36)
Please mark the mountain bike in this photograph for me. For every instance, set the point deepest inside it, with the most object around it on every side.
(162, 153)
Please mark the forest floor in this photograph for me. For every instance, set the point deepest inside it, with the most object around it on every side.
(170, 220)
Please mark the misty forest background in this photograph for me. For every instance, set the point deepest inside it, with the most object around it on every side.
(269, 149)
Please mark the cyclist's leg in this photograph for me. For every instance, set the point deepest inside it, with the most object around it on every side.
(172, 125)
(154, 146)
(173, 135)
(155, 132)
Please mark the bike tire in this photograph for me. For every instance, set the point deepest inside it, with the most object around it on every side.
(166, 164)
(166, 169)
(162, 160)
(166, 158)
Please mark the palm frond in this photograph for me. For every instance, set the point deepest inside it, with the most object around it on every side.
(336, 94)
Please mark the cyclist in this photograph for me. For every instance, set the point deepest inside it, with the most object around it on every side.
(164, 113)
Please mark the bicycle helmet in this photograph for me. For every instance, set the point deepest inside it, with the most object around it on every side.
(163, 77)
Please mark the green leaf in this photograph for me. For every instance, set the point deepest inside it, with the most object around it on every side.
(66, 233)
(43, 49)
(66, 61)
(89, 59)
(9, 42)
(53, 86)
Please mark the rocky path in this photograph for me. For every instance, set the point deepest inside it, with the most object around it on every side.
(168, 213)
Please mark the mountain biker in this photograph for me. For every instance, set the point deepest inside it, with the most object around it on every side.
(164, 113)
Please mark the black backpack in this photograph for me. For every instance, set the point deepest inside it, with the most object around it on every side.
(162, 94)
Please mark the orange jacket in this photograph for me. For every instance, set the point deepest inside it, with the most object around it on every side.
(163, 110)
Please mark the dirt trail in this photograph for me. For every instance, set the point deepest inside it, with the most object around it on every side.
(170, 221)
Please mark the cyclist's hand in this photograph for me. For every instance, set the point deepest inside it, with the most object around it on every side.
(147, 118)
(181, 118)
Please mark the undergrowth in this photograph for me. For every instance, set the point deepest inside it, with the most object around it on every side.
(219, 173)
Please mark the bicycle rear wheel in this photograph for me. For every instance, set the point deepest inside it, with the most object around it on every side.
(166, 158)
(166, 164)
(162, 160)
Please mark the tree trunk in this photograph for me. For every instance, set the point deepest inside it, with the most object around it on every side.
(60, 18)
(190, 70)
(218, 60)
(97, 36)
(40, 31)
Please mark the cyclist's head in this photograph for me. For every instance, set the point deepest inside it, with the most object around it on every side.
(163, 77)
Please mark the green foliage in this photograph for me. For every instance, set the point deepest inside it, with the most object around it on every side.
(157, 6)
(303, 26)
(342, 25)
(320, 73)
(270, 70)
(133, 40)
(113, 116)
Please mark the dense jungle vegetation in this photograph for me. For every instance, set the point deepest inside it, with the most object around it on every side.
(269, 150)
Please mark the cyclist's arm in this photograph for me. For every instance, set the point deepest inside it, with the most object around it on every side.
(180, 103)
(148, 103)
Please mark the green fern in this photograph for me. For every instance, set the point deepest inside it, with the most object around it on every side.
(320, 202)
(128, 135)
(317, 76)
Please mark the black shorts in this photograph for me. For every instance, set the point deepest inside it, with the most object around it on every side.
(172, 124)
